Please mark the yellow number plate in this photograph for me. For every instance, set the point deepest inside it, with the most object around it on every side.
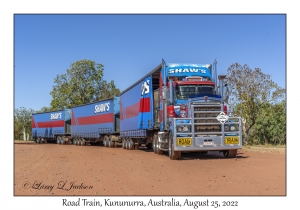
(232, 140)
(184, 141)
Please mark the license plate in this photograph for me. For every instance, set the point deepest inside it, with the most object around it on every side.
(208, 143)
(231, 140)
(184, 141)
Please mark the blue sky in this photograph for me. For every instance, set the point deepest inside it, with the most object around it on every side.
(129, 46)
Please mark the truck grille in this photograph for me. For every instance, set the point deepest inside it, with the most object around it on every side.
(205, 118)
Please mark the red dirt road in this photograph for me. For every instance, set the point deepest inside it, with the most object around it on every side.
(51, 169)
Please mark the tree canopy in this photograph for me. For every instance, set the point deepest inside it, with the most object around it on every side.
(270, 126)
(249, 90)
(82, 83)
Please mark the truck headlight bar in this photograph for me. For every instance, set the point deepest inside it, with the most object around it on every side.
(182, 128)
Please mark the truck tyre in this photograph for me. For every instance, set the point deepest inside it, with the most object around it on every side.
(131, 144)
(127, 143)
(105, 141)
(109, 143)
(155, 143)
(230, 153)
(124, 143)
(173, 155)
(82, 142)
(62, 141)
(74, 141)
(58, 140)
(159, 152)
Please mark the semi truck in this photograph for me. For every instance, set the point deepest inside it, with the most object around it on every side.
(175, 108)
(179, 108)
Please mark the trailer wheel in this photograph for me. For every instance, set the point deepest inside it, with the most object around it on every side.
(173, 155)
(127, 143)
(230, 153)
(105, 141)
(82, 142)
(131, 144)
(62, 141)
(74, 141)
(124, 143)
(110, 142)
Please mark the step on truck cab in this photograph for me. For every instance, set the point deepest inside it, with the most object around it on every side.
(179, 107)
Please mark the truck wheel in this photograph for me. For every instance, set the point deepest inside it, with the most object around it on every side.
(82, 142)
(131, 144)
(105, 141)
(62, 141)
(58, 140)
(173, 155)
(109, 143)
(74, 141)
(230, 153)
(124, 143)
(155, 143)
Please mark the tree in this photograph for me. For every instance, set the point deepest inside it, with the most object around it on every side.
(44, 109)
(249, 90)
(22, 123)
(270, 126)
(82, 83)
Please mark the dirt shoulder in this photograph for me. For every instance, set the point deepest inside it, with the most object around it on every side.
(51, 169)
(265, 149)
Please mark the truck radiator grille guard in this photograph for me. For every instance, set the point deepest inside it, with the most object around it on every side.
(205, 118)
(205, 121)
(204, 127)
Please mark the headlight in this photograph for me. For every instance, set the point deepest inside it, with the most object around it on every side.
(179, 128)
(185, 129)
(232, 128)
(226, 128)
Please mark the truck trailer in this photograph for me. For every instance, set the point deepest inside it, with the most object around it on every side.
(96, 122)
(51, 126)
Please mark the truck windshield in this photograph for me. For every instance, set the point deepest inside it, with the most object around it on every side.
(184, 91)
